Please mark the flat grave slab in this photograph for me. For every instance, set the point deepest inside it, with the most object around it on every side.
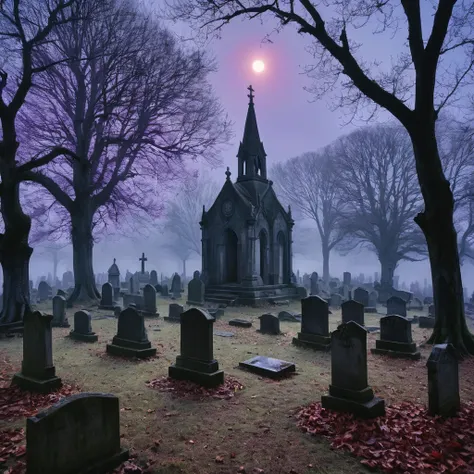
(268, 367)
(241, 323)
(224, 333)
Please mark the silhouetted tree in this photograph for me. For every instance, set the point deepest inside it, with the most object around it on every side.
(430, 72)
(24, 27)
(376, 181)
(308, 183)
(134, 107)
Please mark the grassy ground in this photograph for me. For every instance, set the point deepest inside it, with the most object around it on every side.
(255, 429)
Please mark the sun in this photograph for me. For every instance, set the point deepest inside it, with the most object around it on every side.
(258, 66)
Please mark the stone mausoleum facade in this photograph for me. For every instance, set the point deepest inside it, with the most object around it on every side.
(246, 233)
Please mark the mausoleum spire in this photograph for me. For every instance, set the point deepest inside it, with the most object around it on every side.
(251, 155)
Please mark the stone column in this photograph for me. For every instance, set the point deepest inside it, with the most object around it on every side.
(251, 279)
(290, 251)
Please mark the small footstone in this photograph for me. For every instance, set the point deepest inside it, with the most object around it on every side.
(268, 367)
(224, 333)
(241, 323)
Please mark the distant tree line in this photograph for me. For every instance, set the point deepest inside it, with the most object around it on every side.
(362, 191)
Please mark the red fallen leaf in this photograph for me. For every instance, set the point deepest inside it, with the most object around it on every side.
(21, 451)
(436, 454)
(232, 455)
(454, 445)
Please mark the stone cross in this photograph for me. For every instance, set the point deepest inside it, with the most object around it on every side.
(143, 260)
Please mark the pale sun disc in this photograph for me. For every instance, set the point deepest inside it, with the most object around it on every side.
(258, 66)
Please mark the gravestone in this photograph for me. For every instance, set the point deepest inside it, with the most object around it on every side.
(82, 327)
(428, 300)
(431, 310)
(153, 278)
(43, 291)
(373, 299)
(346, 278)
(136, 300)
(396, 305)
(314, 332)
(301, 292)
(131, 339)
(131, 285)
(269, 324)
(289, 316)
(395, 338)
(37, 370)
(352, 310)
(164, 290)
(75, 434)
(59, 313)
(443, 381)
(314, 283)
(242, 323)
(362, 296)
(174, 313)
(415, 304)
(349, 390)
(176, 286)
(107, 300)
(269, 367)
(196, 290)
(149, 300)
(216, 313)
(335, 300)
(428, 322)
(196, 361)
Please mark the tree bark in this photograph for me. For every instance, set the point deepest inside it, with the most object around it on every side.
(387, 269)
(85, 289)
(326, 252)
(184, 268)
(15, 252)
(436, 222)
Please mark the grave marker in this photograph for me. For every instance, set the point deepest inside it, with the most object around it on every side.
(269, 367)
(269, 324)
(59, 313)
(196, 290)
(107, 300)
(174, 313)
(396, 305)
(362, 296)
(82, 327)
(149, 300)
(176, 286)
(314, 284)
(352, 310)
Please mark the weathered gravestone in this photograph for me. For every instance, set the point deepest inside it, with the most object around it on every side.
(153, 278)
(415, 304)
(82, 327)
(395, 338)
(362, 296)
(59, 313)
(352, 310)
(267, 366)
(43, 291)
(349, 390)
(196, 290)
(346, 278)
(289, 316)
(335, 300)
(149, 300)
(428, 322)
(269, 324)
(131, 285)
(196, 361)
(176, 286)
(107, 300)
(314, 332)
(37, 370)
(314, 283)
(428, 300)
(131, 339)
(443, 381)
(396, 305)
(164, 290)
(301, 292)
(81, 433)
(373, 299)
(174, 313)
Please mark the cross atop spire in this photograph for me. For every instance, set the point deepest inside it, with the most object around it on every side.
(143, 260)
(114, 260)
(250, 95)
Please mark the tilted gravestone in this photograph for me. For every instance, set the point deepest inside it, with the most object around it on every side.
(352, 310)
(59, 313)
(37, 370)
(346, 278)
(176, 286)
(362, 296)
(153, 278)
(196, 361)
(443, 381)
(83, 327)
(395, 338)
(269, 324)
(174, 313)
(314, 290)
(196, 290)
(149, 300)
(396, 305)
(290, 316)
(107, 300)
(314, 332)
(80, 432)
(349, 390)
(43, 291)
(131, 339)
(335, 300)
(164, 290)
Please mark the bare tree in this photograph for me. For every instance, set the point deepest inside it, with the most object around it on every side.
(24, 27)
(55, 251)
(435, 65)
(308, 183)
(377, 183)
(184, 213)
(134, 107)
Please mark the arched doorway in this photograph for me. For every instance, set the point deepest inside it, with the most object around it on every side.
(281, 257)
(262, 254)
(231, 245)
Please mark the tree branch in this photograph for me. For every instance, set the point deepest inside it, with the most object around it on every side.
(44, 160)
